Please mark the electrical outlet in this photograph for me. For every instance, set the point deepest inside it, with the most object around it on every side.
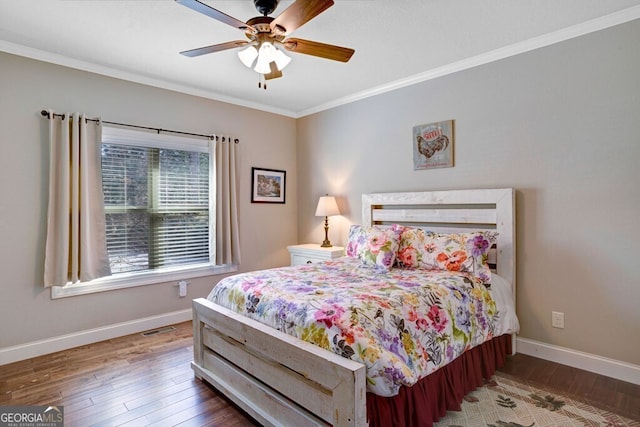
(182, 288)
(557, 319)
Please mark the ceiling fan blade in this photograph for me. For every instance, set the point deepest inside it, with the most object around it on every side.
(216, 14)
(300, 12)
(214, 48)
(274, 74)
(328, 51)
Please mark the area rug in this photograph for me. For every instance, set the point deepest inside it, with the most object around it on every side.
(504, 402)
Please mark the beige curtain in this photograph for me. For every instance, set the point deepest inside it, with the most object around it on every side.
(76, 248)
(224, 196)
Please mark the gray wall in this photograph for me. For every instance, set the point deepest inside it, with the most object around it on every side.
(559, 124)
(27, 313)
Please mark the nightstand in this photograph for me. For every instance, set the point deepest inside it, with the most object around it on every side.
(310, 253)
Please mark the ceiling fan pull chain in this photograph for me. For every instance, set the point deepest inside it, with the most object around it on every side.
(262, 84)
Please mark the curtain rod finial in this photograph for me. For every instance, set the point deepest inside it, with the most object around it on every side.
(44, 113)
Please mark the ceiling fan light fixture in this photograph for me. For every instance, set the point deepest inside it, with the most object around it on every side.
(267, 51)
(281, 59)
(262, 66)
(248, 56)
(267, 54)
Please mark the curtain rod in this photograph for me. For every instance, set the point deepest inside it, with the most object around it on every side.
(46, 114)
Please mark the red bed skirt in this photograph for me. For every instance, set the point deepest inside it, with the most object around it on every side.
(430, 398)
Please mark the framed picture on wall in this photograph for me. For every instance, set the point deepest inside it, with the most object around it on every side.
(268, 185)
(433, 145)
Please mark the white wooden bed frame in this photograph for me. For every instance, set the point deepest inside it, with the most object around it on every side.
(282, 381)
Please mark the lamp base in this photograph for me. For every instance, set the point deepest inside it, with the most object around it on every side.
(326, 243)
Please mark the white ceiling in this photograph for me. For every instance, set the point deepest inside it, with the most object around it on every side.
(397, 42)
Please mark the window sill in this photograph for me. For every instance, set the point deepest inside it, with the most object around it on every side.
(122, 281)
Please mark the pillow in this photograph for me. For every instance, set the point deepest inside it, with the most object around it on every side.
(375, 245)
(466, 252)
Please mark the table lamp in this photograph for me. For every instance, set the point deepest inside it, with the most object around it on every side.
(327, 206)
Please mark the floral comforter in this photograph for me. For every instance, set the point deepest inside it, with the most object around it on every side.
(402, 324)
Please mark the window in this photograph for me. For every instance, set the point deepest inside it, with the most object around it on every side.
(157, 208)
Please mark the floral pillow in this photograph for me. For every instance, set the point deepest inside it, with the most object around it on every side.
(374, 245)
(466, 252)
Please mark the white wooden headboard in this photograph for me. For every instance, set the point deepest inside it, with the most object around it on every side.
(449, 211)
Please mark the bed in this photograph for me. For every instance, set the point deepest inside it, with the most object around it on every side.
(280, 379)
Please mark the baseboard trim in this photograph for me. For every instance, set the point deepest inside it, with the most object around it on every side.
(589, 362)
(64, 342)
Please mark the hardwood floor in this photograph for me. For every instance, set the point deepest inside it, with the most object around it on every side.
(140, 381)
(131, 381)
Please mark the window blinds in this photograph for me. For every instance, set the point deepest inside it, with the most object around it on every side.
(156, 204)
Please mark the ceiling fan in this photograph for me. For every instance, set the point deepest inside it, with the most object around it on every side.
(266, 36)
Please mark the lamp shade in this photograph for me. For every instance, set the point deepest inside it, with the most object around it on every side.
(327, 206)
(281, 59)
(248, 56)
(262, 65)
(266, 55)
